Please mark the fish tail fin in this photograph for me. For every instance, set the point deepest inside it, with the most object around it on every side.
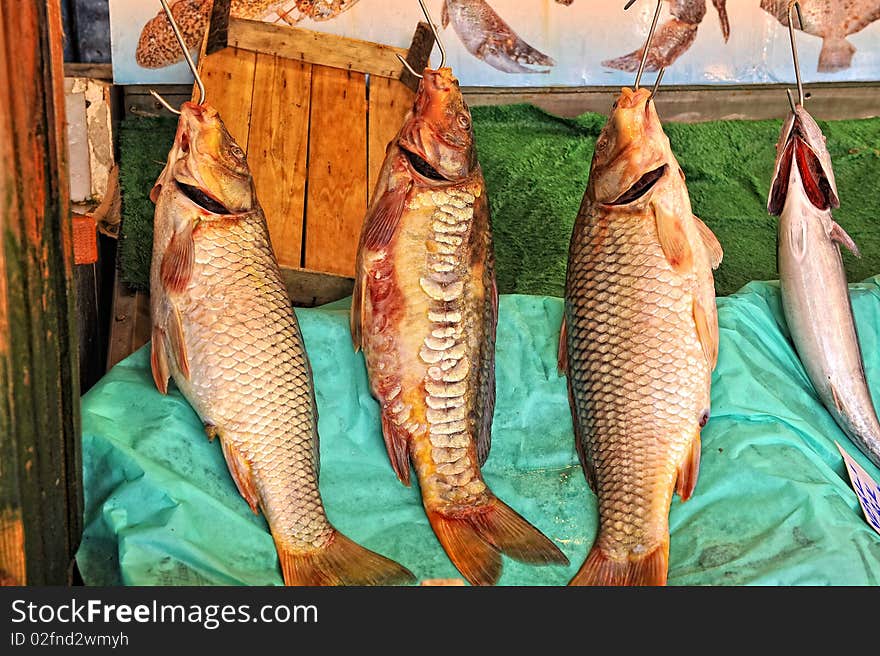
(474, 541)
(600, 569)
(836, 55)
(341, 562)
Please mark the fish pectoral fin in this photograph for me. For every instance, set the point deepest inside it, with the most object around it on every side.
(177, 263)
(444, 14)
(706, 321)
(713, 246)
(341, 561)
(384, 216)
(397, 444)
(689, 471)
(721, 8)
(562, 351)
(673, 239)
(840, 236)
(242, 474)
(159, 360)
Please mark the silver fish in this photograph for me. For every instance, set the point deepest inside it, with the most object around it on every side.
(815, 296)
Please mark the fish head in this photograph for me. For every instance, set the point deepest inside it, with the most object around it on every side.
(632, 152)
(437, 137)
(802, 150)
(207, 165)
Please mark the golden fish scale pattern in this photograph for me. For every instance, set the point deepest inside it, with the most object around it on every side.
(638, 375)
(250, 376)
(451, 349)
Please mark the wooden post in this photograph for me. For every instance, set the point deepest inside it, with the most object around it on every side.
(40, 461)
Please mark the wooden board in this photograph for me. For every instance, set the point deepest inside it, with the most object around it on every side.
(314, 47)
(228, 76)
(389, 102)
(130, 326)
(40, 459)
(337, 183)
(278, 150)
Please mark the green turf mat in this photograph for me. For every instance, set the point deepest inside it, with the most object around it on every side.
(772, 505)
(536, 167)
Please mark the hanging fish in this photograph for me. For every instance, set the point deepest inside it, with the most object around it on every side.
(639, 342)
(424, 312)
(225, 331)
(815, 295)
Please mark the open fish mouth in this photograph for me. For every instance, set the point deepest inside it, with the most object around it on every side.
(421, 166)
(815, 182)
(641, 188)
(202, 199)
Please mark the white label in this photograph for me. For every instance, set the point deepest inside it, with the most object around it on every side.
(866, 489)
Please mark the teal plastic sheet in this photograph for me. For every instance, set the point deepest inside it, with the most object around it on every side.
(772, 506)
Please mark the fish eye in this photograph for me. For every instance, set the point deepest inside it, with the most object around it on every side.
(237, 151)
(464, 122)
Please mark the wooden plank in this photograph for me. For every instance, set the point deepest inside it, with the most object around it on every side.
(390, 100)
(337, 187)
(228, 76)
(138, 101)
(278, 150)
(308, 288)
(130, 325)
(692, 104)
(316, 47)
(93, 71)
(40, 462)
(418, 55)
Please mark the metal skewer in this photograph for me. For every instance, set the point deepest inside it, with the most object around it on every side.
(436, 39)
(795, 5)
(187, 56)
(647, 43)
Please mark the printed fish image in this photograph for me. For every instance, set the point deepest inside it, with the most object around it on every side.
(424, 312)
(833, 21)
(487, 37)
(224, 329)
(158, 48)
(815, 295)
(639, 342)
(674, 37)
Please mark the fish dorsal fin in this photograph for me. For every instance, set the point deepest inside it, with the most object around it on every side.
(356, 319)
(713, 246)
(673, 238)
(562, 351)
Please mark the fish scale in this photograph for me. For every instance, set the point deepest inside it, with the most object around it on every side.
(258, 394)
(639, 342)
(224, 329)
(424, 310)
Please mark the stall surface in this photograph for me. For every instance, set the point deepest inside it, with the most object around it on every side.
(536, 167)
(772, 506)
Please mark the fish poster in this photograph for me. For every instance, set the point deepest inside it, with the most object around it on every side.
(539, 43)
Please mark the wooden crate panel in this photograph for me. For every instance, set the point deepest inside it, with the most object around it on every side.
(390, 100)
(228, 76)
(278, 150)
(337, 184)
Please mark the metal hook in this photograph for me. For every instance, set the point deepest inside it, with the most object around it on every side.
(436, 39)
(648, 42)
(436, 36)
(186, 56)
(794, 4)
(658, 81)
